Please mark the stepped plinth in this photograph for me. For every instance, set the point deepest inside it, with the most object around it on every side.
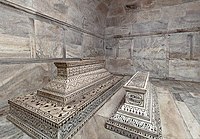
(61, 108)
(138, 114)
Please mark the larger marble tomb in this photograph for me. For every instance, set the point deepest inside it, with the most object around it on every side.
(138, 115)
(60, 109)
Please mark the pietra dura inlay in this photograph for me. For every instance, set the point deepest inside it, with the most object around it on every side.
(138, 117)
(61, 108)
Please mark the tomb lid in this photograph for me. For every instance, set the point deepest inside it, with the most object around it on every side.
(138, 82)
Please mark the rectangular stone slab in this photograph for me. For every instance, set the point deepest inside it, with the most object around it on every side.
(72, 68)
(64, 89)
(138, 83)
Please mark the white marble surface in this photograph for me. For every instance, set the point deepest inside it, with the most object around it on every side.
(184, 70)
(161, 43)
(21, 79)
(178, 118)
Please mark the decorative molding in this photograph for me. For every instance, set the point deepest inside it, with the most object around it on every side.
(160, 33)
(33, 60)
(41, 15)
(139, 120)
(58, 114)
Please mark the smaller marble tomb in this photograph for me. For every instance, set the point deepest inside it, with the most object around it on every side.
(138, 115)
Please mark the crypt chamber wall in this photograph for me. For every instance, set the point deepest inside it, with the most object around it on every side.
(34, 34)
(151, 35)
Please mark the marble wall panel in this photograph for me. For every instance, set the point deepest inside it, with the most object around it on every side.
(170, 12)
(25, 3)
(93, 28)
(73, 43)
(128, 18)
(149, 54)
(111, 46)
(119, 30)
(8, 71)
(148, 15)
(124, 53)
(49, 40)
(21, 79)
(73, 50)
(75, 17)
(179, 15)
(14, 47)
(15, 32)
(120, 66)
(150, 27)
(123, 30)
(150, 47)
(157, 68)
(184, 70)
(87, 15)
(92, 46)
(74, 37)
(110, 53)
(54, 8)
(192, 5)
(41, 37)
(151, 51)
(124, 44)
(196, 46)
(184, 46)
(191, 19)
(109, 31)
(168, 2)
(179, 46)
(124, 49)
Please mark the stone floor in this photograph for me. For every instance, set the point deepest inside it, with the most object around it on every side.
(179, 109)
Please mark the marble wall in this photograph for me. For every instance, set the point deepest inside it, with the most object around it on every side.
(52, 28)
(20, 79)
(34, 33)
(160, 36)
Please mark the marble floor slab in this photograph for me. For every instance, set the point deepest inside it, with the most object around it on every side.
(179, 109)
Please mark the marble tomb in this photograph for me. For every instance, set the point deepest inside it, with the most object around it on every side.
(61, 108)
(138, 115)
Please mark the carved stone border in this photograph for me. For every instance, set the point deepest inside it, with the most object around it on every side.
(83, 115)
(136, 133)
